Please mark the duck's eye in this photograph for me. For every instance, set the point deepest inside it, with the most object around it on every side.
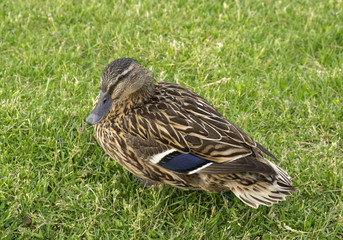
(104, 100)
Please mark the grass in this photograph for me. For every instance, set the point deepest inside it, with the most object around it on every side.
(273, 67)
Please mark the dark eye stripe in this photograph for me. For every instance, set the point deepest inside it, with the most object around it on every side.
(119, 78)
(110, 90)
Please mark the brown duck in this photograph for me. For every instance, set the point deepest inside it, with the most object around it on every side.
(164, 133)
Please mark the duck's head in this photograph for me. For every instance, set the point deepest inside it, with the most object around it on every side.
(121, 80)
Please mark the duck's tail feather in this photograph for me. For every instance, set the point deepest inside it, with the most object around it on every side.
(256, 189)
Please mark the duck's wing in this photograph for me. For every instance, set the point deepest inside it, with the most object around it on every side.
(198, 137)
(263, 149)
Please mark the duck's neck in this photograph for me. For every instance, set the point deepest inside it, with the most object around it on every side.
(135, 100)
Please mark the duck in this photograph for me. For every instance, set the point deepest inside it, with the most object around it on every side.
(164, 133)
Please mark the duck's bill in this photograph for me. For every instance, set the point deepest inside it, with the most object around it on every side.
(101, 109)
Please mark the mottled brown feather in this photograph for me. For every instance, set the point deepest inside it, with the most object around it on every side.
(160, 117)
(209, 136)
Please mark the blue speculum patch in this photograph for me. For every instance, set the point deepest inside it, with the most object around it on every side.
(182, 162)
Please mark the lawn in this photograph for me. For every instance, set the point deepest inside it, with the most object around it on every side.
(275, 68)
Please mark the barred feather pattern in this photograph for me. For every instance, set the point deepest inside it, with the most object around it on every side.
(138, 130)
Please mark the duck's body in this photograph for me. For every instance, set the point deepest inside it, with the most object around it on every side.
(165, 133)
